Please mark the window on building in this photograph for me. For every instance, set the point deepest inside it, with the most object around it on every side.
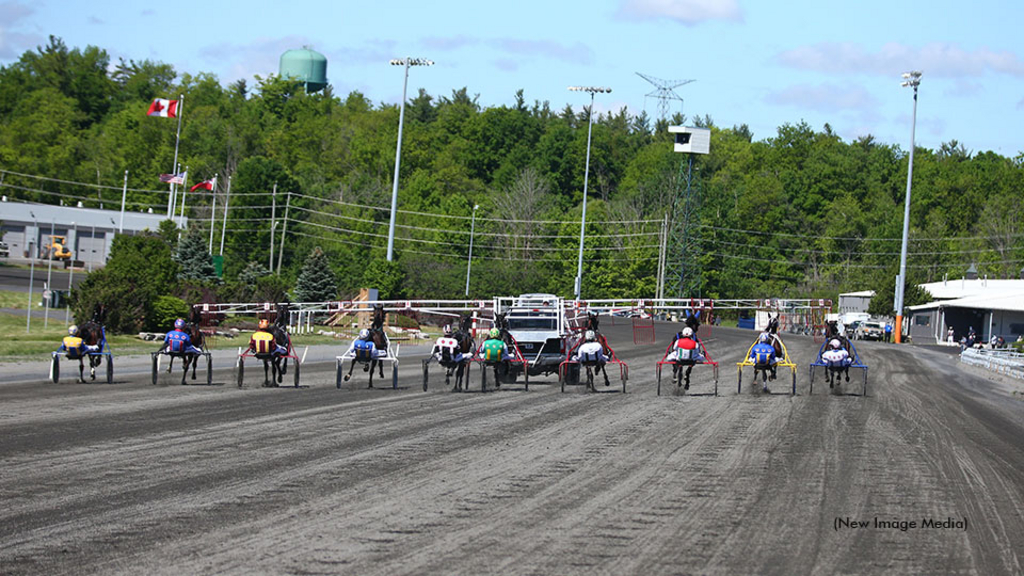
(922, 320)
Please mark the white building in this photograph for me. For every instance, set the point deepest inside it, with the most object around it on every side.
(855, 301)
(89, 231)
(991, 307)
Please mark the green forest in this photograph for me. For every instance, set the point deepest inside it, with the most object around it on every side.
(799, 213)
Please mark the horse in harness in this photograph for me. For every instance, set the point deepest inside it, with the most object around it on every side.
(279, 330)
(466, 345)
(380, 343)
(592, 323)
(772, 330)
(92, 336)
(196, 336)
(834, 369)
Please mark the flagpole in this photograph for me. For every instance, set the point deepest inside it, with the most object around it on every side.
(184, 187)
(213, 210)
(124, 195)
(224, 227)
(177, 139)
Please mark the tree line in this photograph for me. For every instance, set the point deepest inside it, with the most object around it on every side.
(797, 213)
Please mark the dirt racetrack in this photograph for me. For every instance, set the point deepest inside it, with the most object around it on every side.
(131, 478)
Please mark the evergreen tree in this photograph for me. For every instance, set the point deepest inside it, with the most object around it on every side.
(194, 262)
(316, 282)
(251, 275)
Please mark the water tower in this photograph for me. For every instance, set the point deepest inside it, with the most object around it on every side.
(307, 66)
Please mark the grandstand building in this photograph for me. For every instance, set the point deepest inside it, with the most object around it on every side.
(992, 307)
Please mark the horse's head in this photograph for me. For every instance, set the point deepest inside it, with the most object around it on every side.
(195, 316)
(99, 313)
(592, 321)
(501, 322)
(466, 324)
(378, 317)
(773, 324)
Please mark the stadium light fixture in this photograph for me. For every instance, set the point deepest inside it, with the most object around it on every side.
(406, 63)
(911, 80)
(472, 228)
(578, 289)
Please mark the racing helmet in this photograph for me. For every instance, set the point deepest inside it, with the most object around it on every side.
(264, 324)
(72, 330)
(835, 344)
(589, 336)
(447, 329)
(179, 324)
(495, 333)
(763, 338)
(687, 332)
(364, 334)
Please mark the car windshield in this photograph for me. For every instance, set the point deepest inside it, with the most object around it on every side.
(872, 325)
(532, 323)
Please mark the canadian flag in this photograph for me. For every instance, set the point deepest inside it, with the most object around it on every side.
(205, 184)
(163, 108)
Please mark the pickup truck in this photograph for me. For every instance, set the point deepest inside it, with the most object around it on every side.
(537, 322)
(870, 330)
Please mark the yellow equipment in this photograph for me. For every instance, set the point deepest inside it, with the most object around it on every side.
(57, 249)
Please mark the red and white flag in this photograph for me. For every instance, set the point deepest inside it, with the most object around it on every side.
(205, 184)
(173, 178)
(163, 108)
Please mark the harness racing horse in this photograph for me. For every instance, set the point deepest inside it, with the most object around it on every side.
(380, 341)
(832, 371)
(195, 334)
(773, 331)
(92, 336)
(467, 346)
(279, 362)
(592, 323)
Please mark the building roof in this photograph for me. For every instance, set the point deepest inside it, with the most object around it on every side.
(861, 294)
(1013, 302)
(963, 288)
(67, 216)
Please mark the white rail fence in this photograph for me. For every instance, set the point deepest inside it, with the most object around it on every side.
(1004, 362)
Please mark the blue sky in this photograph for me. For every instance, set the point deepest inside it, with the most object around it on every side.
(760, 63)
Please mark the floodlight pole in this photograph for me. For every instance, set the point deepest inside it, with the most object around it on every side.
(406, 62)
(32, 269)
(578, 289)
(913, 80)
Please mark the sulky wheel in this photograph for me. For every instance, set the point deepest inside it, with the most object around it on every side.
(394, 376)
(156, 368)
(425, 374)
(209, 369)
(110, 369)
(296, 375)
(483, 378)
(526, 377)
(241, 372)
(739, 381)
(811, 378)
(55, 369)
(659, 380)
(338, 375)
(793, 372)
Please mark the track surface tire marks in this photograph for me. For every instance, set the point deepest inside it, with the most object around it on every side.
(133, 478)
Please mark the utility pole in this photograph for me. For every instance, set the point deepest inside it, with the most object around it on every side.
(284, 230)
(273, 223)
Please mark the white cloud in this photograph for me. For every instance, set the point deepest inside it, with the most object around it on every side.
(964, 88)
(13, 43)
(688, 12)
(825, 98)
(937, 59)
(577, 53)
(506, 64)
(449, 43)
(261, 56)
